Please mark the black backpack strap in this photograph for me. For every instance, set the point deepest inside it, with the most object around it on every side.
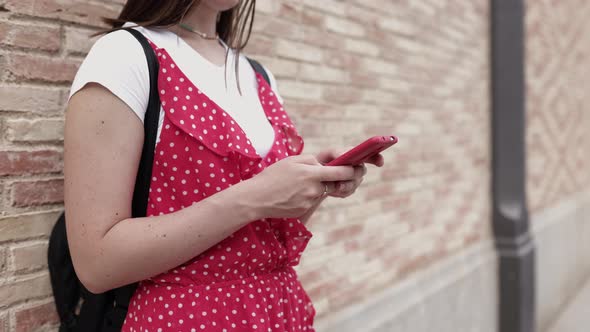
(106, 311)
(150, 124)
(121, 296)
(259, 69)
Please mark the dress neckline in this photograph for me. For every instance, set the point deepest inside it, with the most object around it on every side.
(183, 42)
(261, 86)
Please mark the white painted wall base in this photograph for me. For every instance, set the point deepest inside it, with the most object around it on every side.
(458, 294)
(562, 238)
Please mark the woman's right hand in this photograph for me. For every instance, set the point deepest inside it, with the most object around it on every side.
(291, 186)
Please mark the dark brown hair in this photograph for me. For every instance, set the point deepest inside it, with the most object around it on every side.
(234, 25)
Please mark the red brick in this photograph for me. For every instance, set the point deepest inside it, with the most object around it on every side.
(364, 80)
(29, 257)
(380, 191)
(36, 68)
(312, 276)
(30, 162)
(395, 203)
(326, 287)
(337, 58)
(311, 19)
(472, 238)
(25, 289)
(31, 193)
(290, 11)
(339, 299)
(344, 233)
(420, 262)
(29, 36)
(36, 318)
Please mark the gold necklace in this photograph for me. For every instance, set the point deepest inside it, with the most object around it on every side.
(201, 34)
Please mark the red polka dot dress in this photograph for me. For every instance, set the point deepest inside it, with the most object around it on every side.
(246, 282)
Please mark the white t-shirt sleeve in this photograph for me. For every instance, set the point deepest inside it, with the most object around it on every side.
(117, 62)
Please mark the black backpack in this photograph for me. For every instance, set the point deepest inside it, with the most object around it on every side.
(80, 310)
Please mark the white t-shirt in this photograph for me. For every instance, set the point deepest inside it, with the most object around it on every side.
(117, 62)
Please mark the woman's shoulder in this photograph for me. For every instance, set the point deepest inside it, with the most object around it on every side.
(116, 44)
(117, 61)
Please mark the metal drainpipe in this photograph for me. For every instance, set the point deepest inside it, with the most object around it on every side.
(514, 244)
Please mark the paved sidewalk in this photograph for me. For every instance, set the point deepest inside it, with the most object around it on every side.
(576, 317)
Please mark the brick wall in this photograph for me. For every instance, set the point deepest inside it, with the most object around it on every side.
(558, 77)
(419, 69)
(558, 135)
(347, 69)
(41, 45)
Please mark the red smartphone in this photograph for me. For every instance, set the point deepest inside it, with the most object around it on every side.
(364, 151)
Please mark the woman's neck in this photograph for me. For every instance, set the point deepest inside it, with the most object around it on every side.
(201, 18)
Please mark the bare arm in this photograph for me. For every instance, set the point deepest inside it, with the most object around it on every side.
(103, 140)
(109, 248)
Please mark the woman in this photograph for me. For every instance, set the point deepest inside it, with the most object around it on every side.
(230, 190)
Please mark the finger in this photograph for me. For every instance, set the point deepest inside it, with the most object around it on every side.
(332, 187)
(376, 160)
(335, 173)
(326, 156)
(346, 187)
(326, 188)
(359, 171)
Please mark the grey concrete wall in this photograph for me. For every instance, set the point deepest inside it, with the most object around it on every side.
(562, 236)
(458, 294)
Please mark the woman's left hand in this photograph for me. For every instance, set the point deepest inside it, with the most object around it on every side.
(346, 188)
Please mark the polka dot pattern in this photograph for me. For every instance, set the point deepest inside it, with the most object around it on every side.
(246, 282)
